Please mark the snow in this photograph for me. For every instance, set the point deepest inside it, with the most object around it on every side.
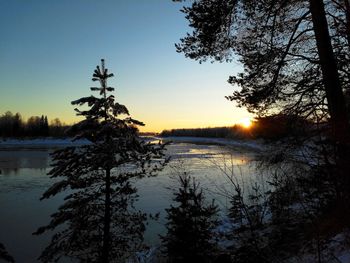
(148, 256)
(252, 144)
(341, 247)
(54, 142)
(345, 257)
(335, 249)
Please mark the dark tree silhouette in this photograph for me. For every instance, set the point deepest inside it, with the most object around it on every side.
(98, 222)
(190, 225)
(295, 60)
(8, 122)
(4, 255)
(56, 128)
(18, 125)
(12, 125)
(35, 126)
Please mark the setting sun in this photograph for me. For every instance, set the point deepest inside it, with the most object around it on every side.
(246, 123)
(147, 151)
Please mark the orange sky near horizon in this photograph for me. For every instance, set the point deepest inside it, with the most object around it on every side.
(50, 49)
(159, 122)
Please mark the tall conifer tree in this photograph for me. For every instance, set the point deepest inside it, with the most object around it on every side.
(98, 222)
(294, 54)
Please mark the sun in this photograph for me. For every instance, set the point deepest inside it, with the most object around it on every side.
(246, 123)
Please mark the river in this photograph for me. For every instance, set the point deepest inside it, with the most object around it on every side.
(23, 179)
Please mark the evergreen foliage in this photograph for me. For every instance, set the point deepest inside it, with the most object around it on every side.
(12, 125)
(277, 44)
(234, 132)
(190, 225)
(270, 128)
(295, 56)
(98, 222)
(4, 255)
(296, 59)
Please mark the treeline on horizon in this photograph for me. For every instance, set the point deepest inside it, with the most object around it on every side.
(269, 128)
(13, 125)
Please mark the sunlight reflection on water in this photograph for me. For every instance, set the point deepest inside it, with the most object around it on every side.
(23, 180)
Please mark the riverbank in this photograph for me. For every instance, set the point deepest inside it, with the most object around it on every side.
(49, 142)
(251, 144)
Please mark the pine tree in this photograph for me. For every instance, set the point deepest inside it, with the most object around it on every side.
(190, 225)
(42, 126)
(17, 125)
(295, 54)
(98, 222)
(4, 255)
(46, 126)
(296, 59)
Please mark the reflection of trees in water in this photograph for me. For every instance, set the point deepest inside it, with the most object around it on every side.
(98, 222)
(9, 171)
(11, 161)
(4, 255)
(17, 171)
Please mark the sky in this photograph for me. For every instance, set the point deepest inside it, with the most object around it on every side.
(49, 49)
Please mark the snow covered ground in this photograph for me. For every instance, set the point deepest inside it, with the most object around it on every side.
(203, 145)
(252, 144)
(55, 142)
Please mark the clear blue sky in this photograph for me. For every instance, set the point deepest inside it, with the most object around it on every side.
(48, 50)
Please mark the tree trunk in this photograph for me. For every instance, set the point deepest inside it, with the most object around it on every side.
(336, 101)
(347, 12)
(107, 219)
(334, 93)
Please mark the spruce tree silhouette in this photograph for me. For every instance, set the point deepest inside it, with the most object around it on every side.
(190, 225)
(98, 222)
(4, 255)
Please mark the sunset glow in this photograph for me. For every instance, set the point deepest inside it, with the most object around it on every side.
(150, 97)
(246, 123)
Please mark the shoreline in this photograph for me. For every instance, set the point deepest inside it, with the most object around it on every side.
(39, 143)
(251, 144)
(49, 142)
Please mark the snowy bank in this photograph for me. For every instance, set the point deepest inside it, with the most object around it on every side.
(48, 142)
(252, 144)
(63, 142)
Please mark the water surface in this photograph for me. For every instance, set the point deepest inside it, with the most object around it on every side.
(23, 179)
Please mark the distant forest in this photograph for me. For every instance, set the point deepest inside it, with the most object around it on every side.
(269, 128)
(13, 125)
